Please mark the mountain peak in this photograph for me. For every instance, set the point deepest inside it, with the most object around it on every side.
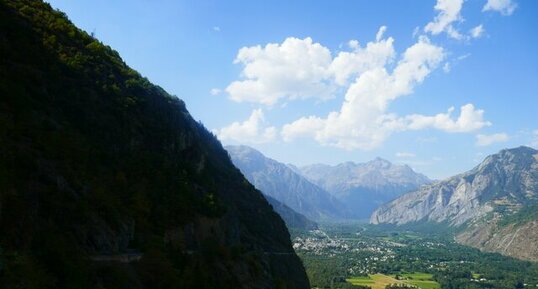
(509, 177)
(380, 162)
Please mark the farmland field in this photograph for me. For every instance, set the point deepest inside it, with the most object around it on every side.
(379, 281)
(375, 281)
(335, 256)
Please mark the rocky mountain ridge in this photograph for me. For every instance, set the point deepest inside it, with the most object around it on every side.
(364, 186)
(280, 182)
(477, 201)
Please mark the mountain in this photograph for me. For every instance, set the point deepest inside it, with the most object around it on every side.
(106, 181)
(280, 182)
(364, 186)
(494, 204)
(292, 219)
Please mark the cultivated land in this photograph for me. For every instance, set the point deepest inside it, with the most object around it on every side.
(380, 281)
(374, 256)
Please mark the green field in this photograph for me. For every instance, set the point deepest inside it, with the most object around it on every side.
(379, 281)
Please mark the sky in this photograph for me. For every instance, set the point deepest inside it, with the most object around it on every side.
(437, 85)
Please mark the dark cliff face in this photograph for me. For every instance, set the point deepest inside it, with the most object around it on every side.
(97, 161)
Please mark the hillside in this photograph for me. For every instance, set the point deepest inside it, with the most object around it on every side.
(99, 164)
(280, 182)
(292, 219)
(364, 186)
(493, 204)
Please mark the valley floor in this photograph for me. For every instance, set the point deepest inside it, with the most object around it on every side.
(355, 255)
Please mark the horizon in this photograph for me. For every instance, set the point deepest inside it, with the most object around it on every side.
(419, 89)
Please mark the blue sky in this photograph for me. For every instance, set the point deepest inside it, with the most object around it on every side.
(434, 84)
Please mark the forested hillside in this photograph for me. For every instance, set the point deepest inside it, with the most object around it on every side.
(106, 181)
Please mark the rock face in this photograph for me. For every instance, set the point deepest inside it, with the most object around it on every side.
(364, 186)
(97, 161)
(516, 240)
(280, 182)
(495, 191)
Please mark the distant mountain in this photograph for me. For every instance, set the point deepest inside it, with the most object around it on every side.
(364, 186)
(494, 204)
(106, 181)
(292, 219)
(280, 182)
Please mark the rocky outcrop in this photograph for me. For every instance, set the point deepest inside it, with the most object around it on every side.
(516, 240)
(494, 192)
(364, 186)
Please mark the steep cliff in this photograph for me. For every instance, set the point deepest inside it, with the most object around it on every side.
(493, 205)
(106, 181)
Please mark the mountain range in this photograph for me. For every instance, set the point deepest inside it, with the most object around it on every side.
(323, 192)
(364, 186)
(493, 206)
(280, 182)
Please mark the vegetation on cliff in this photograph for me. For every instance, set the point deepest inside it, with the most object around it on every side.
(97, 161)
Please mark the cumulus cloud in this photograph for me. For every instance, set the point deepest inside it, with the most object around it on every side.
(448, 13)
(486, 140)
(470, 119)
(300, 69)
(477, 31)
(251, 130)
(370, 76)
(351, 63)
(363, 121)
(505, 7)
(294, 69)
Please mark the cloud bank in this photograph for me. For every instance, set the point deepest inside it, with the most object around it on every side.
(370, 77)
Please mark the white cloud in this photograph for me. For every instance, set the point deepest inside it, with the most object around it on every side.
(295, 69)
(446, 67)
(371, 76)
(405, 155)
(216, 28)
(215, 91)
(362, 121)
(505, 7)
(486, 140)
(477, 31)
(349, 64)
(449, 12)
(300, 69)
(249, 131)
(380, 33)
(469, 120)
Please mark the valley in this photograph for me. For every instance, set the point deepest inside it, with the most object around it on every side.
(107, 181)
(375, 256)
